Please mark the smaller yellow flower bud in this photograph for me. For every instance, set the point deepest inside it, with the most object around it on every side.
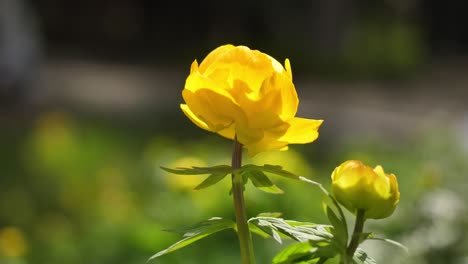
(357, 186)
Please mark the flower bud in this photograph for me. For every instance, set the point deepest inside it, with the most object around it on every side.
(245, 94)
(357, 186)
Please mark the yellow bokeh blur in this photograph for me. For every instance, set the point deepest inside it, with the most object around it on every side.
(184, 182)
(12, 242)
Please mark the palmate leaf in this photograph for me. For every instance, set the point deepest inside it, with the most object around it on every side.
(253, 172)
(334, 213)
(219, 169)
(337, 219)
(300, 231)
(273, 169)
(316, 243)
(306, 252)
(262, 182)
(196, 232)
(270, 214)
(217, 173)
(211, 180)
(293, 253)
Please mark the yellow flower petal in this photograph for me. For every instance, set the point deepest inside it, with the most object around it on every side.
(279, 95)
(267, 143)
(247, 135)
(249, 66)
(215, 110)
(213, 56)
(197, 121)
(277, 101)
(196, 81)
(287, 67)
(229, 132)
(267, 121)
(194, 67)
(302, 131)
(394, 188)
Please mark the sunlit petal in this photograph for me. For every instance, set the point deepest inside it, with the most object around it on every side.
(197, 121)
(302, 131)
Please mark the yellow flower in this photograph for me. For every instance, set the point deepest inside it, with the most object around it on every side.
(357, 186)
(244, 93)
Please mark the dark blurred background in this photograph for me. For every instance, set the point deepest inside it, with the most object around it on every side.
(89, 110)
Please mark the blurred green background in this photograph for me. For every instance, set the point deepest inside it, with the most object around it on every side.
(89, 111)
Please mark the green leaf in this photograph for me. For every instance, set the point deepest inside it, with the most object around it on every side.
(361, 257)
(340, 230)
(211, 180)
(278, 170)
(213, 222)
(256, 230)
(262, 182)
(196, 232)
(269, 229)
(273, 169)
(293, 252)
(334, 213)
(327, 251)
(337, 219)
(300, 231)
(392, 242)
(270, 214)
(316, 242)
(219, 169)
(306, 252)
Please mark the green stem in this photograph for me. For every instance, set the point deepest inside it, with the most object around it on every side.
(243, 232)
(355, 239)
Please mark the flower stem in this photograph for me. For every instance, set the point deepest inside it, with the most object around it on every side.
(355, 239)
(243, 232)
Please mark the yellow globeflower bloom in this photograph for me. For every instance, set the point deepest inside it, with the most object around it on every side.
(357, 186)
(244, 93)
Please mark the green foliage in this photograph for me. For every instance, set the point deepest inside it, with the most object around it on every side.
(211, 180)
(262, 182)
(254, 173)
(91, 191)
(299, 231)
(337, 220)
(306, 252)
(220, 169)
(316, 243)
(273, 169)
(294, 253)
(217, 173)
(196, 232)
